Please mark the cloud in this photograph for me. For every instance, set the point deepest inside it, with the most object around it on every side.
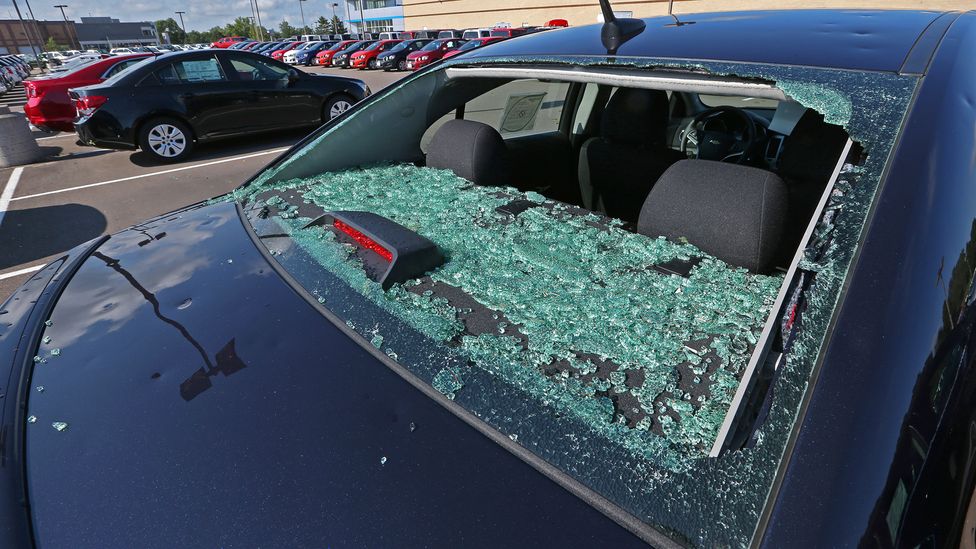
(200, 15)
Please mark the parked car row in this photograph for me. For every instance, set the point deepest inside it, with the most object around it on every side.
(387, 50)
(13, 69)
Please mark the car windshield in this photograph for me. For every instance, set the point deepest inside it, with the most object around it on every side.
(577, 301)
(403, 45)
(338, 47)
(432, 46)
(372, 47)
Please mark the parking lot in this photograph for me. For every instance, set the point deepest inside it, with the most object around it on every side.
(80, 192)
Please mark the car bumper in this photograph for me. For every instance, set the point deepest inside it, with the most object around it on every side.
(89, 134)
(48, 117)
(359, 62)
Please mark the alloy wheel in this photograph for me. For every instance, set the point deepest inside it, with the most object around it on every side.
(339, 107)
(167, 140)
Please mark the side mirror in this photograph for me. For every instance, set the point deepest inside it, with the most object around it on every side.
(293, 76)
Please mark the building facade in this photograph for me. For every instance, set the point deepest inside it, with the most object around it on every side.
(374, 15)
(14, 39)
(107, 33)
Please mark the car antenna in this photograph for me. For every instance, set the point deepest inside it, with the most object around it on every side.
(675, 17)
(617, 31)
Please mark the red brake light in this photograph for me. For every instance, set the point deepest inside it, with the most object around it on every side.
(363, 240)
(88, 104)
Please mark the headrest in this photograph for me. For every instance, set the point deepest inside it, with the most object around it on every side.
(636, 117)
(812, 150)
(472, 150)
(735, 213)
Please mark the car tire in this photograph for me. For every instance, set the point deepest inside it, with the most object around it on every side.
(402, 65)
(336, 105)
(166, 139)
(372, 64)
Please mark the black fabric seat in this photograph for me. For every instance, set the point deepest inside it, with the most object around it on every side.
(735, 213)
(472, 150)
(618, 168)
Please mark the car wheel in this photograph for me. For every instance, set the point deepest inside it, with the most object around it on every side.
(336, 105)
(373, 63)
(166, 139)
(402, 65)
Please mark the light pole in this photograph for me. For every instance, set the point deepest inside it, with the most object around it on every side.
(335, 28)
(182, 26)
(67, 29)
(302, 10)
(362, 21)
(26, 34)
(257, 14)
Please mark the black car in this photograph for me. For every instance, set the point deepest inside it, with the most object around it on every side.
(341, 59)
(166, 104)
(700, 283)
(396, 58)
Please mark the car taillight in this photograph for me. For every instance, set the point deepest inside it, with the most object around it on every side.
(363, 240)
(88, 104)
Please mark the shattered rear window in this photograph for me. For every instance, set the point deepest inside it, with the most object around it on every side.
(641, 340)
(610, 355)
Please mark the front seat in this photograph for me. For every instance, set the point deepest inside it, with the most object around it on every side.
(618, 168)
(732, 212)
(472, 150)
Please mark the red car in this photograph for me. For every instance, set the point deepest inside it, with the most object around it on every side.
(473, 44)
(278, 54)
(324, 57)
(48, 106)
(366, 59)
(227, 41)
(432, 52)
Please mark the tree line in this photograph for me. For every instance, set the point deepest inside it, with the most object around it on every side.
(242, 26)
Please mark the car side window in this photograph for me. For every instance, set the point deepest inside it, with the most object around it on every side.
(256, 69)
(520, 107)
(190, 72)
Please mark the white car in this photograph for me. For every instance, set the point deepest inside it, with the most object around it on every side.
(121, 51)
(291, 56)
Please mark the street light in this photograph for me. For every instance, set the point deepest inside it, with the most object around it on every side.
(303, 14)
(67, 29)
(182, 26)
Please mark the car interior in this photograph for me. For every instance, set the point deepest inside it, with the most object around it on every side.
(737, 174)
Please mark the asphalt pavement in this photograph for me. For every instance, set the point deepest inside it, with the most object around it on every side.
(79, 193)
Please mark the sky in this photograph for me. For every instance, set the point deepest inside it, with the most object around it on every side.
(200, 14)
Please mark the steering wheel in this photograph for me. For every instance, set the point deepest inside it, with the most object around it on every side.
(716, 141)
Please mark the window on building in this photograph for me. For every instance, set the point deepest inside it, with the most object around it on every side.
(382, 25)
(376, 4)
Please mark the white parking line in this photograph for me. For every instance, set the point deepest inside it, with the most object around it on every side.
(72, 134)
(8, 191)
(28, 270)
(163, 172)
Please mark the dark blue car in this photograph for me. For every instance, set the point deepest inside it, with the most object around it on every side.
(705, 281)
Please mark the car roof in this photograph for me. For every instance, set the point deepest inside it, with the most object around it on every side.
(874, 40)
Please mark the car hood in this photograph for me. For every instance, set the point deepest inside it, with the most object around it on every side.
(185, 394)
